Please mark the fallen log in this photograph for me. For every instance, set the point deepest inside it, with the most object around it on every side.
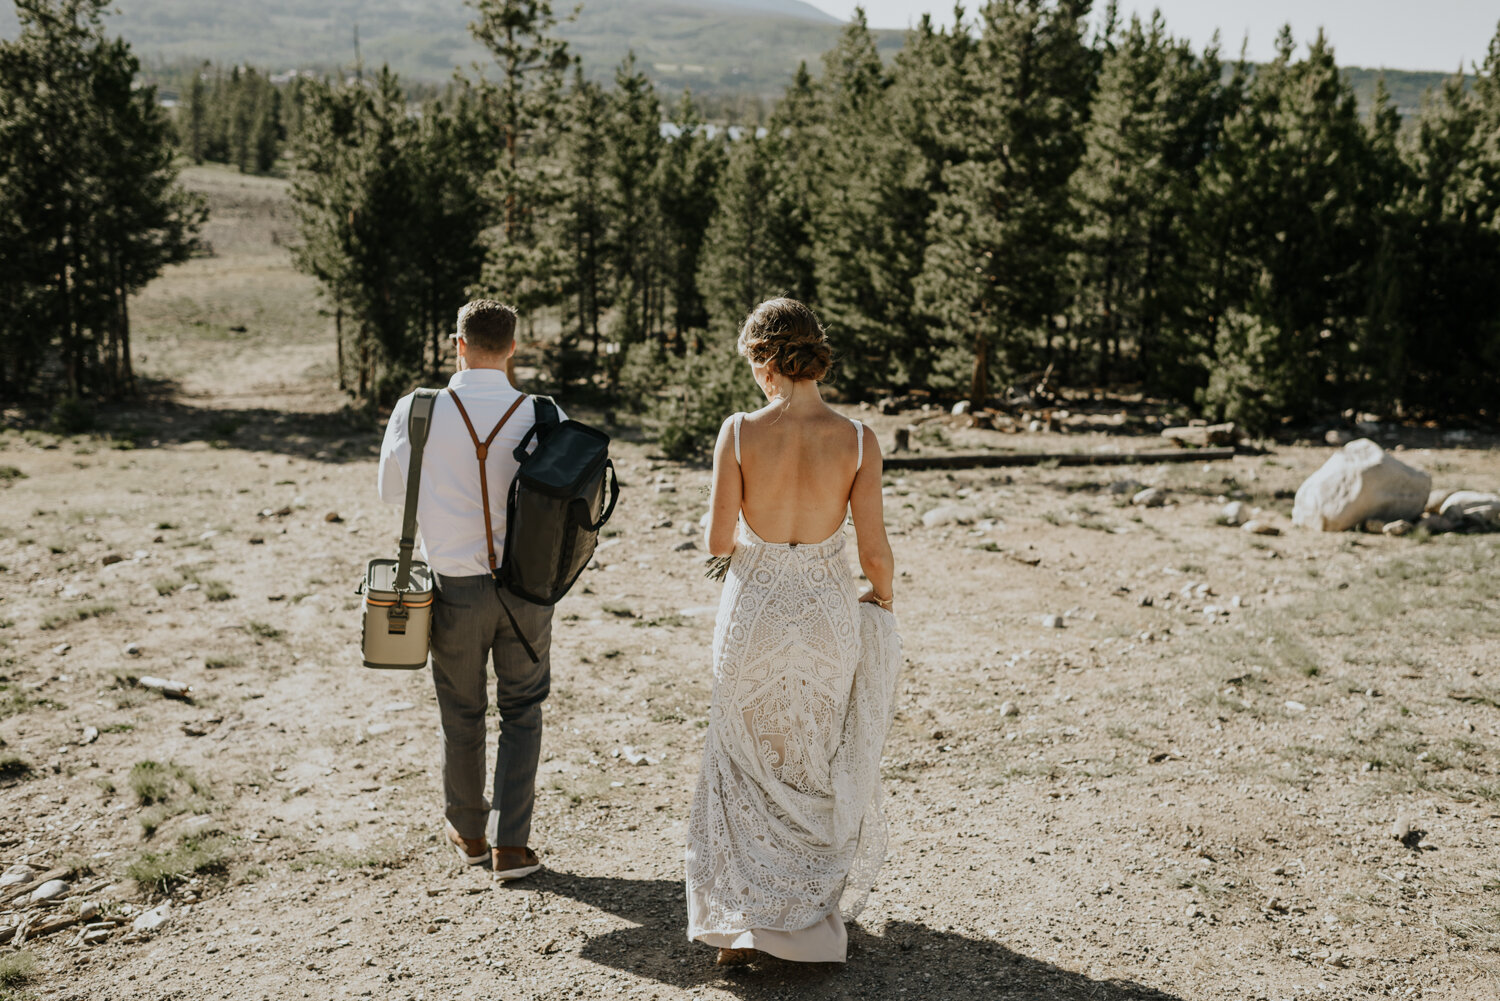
(995, 460)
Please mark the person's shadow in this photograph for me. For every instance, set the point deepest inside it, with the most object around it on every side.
(909, 961)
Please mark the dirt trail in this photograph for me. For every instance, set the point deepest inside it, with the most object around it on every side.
(1153, 801)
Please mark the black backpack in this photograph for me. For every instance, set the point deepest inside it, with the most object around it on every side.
(557, 505)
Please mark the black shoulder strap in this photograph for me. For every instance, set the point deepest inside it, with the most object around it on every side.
(419, 423)
(547, 418)
(546, 410)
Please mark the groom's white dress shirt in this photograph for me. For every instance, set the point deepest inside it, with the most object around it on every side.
(449, 515)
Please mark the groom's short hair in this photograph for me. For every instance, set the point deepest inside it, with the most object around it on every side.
(488, 327)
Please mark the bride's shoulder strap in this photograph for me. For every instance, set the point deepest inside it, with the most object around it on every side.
(737, 418)
(859, 434)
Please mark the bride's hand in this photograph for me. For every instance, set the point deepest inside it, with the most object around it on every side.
(872, 598)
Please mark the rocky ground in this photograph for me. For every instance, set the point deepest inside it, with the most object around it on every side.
(1138, 754)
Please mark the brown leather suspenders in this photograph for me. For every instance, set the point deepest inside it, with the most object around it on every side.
(482, 452)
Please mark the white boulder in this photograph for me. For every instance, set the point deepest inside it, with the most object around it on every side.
(1361, 481)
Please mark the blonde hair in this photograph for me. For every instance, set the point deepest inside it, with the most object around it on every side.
(784, 334)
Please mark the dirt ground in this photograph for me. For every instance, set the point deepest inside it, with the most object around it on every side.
(1185, 791)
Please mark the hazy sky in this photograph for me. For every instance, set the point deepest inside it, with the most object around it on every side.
(1395, 34)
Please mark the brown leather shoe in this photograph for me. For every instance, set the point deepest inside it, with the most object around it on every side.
(472, 850)
(512, 862)
(737, 957)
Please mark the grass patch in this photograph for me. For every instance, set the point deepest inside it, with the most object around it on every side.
(387, 854)
(194, 855)
(13, 768)
(616, 609)
(217, 590)
(17, 969)
(154, 782)
(80, 614)
(14, 702)
(10, 474)
(262, 630)
(214, 663)
(167, 586)
(673, 620)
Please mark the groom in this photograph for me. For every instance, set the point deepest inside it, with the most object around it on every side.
(469, 626)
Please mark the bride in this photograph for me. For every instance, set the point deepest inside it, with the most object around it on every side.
(786, 829)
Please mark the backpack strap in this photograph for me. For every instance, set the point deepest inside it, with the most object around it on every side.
(482, 452)
(418, 425)
(544, 410)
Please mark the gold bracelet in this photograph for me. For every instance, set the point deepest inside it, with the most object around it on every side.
(884, 603)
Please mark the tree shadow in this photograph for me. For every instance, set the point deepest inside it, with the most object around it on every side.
(907, 957)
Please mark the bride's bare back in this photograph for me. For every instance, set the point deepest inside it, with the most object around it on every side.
(797, 472)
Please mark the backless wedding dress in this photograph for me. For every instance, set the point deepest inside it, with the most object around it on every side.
(786, 831)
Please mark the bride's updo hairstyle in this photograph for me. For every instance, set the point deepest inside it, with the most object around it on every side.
(784, 334)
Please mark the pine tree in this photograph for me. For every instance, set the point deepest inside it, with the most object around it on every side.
(690, 167)
(999, 233)
(90, 209)
(1154, 118)
(1288, 191)
(633, 147)
(524, 103)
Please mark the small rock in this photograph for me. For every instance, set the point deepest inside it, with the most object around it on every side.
(256, 540)
(133, 649)
(634, 757)
(664, 523)
(210, 534)
(1274, 904)
(16, 875)
(376, 729)
(1008, 708)
(1233, 514)
(90, 734)
(666, 488)
(62, 648)
(685, 547)
(1052, 621)
(87, 909)
(1468, 727)
(1150, 497)
(1435, 500)
(1374, 526)
(961, 407)
(1295, 707)
(1401, 828)
(950, 514)
(154, 918)
(397, 707)
(50, 890)
(1471, 507)
(93, 936)
(1036, 426)
(111, 559)
(1397, 529)
(1257, 527)
(332, 517)
(1122, 487)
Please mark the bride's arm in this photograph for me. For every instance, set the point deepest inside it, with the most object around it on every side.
(727, 492)
(868, 507)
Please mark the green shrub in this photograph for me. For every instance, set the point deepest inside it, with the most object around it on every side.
(9, 474)
(13, 767)
(72, 415)
(700, 392)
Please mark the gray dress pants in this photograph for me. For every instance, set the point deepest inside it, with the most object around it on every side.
(468, 626)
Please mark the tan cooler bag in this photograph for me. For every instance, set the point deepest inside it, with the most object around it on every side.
(398, 593)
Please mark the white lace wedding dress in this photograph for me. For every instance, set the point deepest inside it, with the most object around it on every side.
(786, 830)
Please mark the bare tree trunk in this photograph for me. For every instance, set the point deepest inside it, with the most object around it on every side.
(979, 388)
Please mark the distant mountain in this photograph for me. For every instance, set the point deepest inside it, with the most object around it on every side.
(713, 46)
(710, 45)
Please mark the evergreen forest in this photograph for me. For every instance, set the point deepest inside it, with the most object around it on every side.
(1041, 188)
